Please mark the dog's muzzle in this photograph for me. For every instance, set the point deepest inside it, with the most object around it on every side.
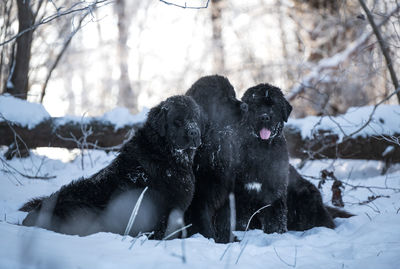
(194, 135)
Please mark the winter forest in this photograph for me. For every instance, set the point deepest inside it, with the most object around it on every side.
(200, 134)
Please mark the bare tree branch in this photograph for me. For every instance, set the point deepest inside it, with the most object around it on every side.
(60, 54)
(58, 14)
(383, 46)
(185, 6)
(333, 63)
(5, 163)
(59, 132)
(397, 91)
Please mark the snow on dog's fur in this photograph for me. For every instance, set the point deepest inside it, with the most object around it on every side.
(159, 156)
(263, 173)
(216, 159)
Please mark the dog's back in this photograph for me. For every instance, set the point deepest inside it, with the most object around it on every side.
(159, 157)
(216, 159)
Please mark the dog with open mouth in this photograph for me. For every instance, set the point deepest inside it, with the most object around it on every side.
(155, 164)
(261, 184)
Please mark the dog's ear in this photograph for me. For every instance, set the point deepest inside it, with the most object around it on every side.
(158, 118)
(286, 109)
(248, 97)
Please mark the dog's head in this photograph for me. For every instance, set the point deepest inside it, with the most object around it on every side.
(216, 96)
(268, 110)
(178, 121)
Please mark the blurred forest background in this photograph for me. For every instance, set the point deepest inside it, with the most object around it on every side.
(87, 57)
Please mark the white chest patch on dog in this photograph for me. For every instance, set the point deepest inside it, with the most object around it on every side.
(253, 186)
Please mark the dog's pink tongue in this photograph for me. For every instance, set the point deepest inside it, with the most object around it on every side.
(265, 133)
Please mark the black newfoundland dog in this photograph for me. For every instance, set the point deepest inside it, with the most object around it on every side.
(305, 206)
(159, 156)
(263, 177)
(216, 159)
(266, 180)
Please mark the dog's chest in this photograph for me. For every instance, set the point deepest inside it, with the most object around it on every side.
(260, 160)
(179, 186)
(263, 170)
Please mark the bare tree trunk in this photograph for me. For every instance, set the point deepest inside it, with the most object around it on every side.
(217, 42)
(4, 32)
(127, 96)
(18, 83)
(285, 53)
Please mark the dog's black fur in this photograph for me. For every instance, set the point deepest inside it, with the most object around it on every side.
(263, 176)
(305, 206)
(266, 162)
(216, 159)
(159, 156)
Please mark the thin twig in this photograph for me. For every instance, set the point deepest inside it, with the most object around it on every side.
(241, 251)
(174, 233)
(185, 6)
(225, 251)
(383, 46)
(60, 54)
(245, 231)
(22, 174)
(147, 235)
(255, 213)
(134, 214)
(356, 186)
(232, 215)
(56, 16)
(295, 258)
(17, 137)
(332, 63)
(373, 112)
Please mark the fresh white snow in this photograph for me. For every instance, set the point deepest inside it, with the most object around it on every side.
(21, 112)
(369, 240)
(119, 117)
(27, 114)
(385, 120)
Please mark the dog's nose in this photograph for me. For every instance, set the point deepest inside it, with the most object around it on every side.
(244, 107)
(193, 133)
(265, 117)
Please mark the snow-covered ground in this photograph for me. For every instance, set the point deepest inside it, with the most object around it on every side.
(369, 240)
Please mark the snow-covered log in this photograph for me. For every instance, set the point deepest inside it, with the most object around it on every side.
(362, 133)
(327, 144)
(95, 133)
(369, 132)
(63, 133)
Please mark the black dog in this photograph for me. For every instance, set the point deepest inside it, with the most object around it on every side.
(266, 172)
(216, 159)
(159, 156)
(305, 206)
(263, 177)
